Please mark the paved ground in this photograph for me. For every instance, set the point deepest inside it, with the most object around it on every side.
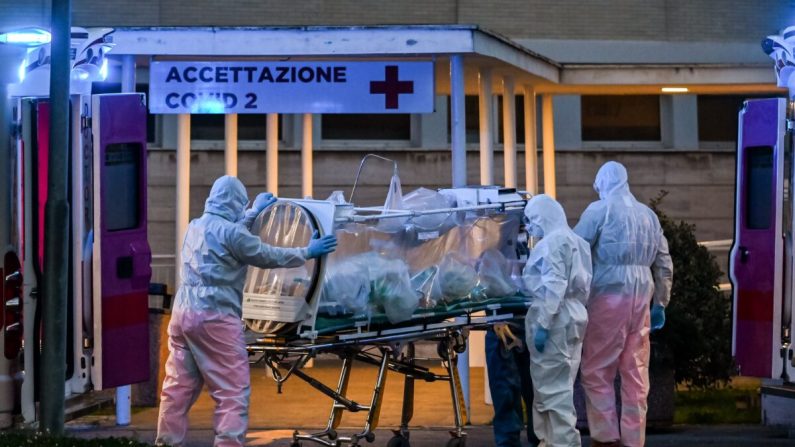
(478, 436)
(274, 416)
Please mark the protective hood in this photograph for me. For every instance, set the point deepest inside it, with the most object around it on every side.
(611, 179)
(545, 214)
(227, 199)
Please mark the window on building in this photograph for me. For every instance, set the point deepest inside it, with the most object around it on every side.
(519, 111)
(206, 127)
(620, 117)
(472, 113)
(250, 126)
(349, 126)
(471, 118)
(717, 117)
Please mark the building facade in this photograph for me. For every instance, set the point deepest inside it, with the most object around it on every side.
(681, 143)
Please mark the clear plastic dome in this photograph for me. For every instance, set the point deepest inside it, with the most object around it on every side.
(280, 294)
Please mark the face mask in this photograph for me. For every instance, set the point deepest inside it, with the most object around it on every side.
(533, 230)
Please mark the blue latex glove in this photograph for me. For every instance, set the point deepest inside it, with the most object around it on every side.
(657, 317)
(320, 246)
(540, 339)
(263, 201)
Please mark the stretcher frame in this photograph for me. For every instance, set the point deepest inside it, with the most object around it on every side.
(384, 348)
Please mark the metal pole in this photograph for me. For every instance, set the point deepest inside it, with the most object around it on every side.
(530, 141)
(548, 125)
(183, 187)
(230, 146)
(123, 405)
(56, 232)
(485, 105)
(306, 157)
(463, 375)
(509, 131)
(272, 153)
(458, 121)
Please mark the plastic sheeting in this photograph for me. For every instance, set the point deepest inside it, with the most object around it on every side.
(393, 266)
(472, 261)
(282, 225)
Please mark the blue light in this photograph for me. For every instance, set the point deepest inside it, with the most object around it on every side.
(103, 70)
(29, 37)
(21, 72)
(208, 105)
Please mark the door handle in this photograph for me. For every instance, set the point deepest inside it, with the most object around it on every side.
(743, 254)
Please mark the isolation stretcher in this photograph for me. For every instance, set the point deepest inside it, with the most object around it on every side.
(443, 264)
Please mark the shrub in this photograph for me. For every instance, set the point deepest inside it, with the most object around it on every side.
(697, 332)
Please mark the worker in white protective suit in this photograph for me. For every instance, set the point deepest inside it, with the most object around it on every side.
(558, 277)
(206, 334)
(631, 267)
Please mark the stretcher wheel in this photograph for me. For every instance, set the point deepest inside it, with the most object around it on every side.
(457, 442)
(398, 441)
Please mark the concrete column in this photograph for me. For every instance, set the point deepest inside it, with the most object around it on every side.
(230, 144)
(568, 121)
(432, 128)
(458, 121)
(509, 131)
(548, 125)
(306, 157)
(183, 186)
(169, 131)
(272, 154)
(530, 142)
(485, 104)
(679, 121)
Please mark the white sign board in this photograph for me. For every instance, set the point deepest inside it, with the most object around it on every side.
(291, 87)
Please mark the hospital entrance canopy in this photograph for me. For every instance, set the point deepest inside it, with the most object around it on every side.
(465, 60)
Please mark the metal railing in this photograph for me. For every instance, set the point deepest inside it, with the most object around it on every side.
(164, 271)
(720, 245)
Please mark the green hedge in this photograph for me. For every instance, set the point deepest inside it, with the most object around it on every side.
(698, 330)
(25, 439)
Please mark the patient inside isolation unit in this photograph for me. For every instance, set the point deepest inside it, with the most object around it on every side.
(392, 266)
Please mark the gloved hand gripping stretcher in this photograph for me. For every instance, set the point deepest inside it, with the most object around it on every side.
(427, 266)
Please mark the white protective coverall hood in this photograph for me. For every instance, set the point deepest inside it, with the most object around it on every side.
(219, 247)
(626, 240)
(631, 267)
(206, 334)
(558, 276)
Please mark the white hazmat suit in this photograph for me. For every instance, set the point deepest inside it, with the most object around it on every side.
(206, 334)
(631, 267)
(558, 277)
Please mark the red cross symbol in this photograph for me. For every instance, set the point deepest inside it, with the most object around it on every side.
(391, 87)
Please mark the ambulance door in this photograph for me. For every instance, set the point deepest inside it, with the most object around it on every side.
(80, 322)
(756, 260)
(121, 254)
